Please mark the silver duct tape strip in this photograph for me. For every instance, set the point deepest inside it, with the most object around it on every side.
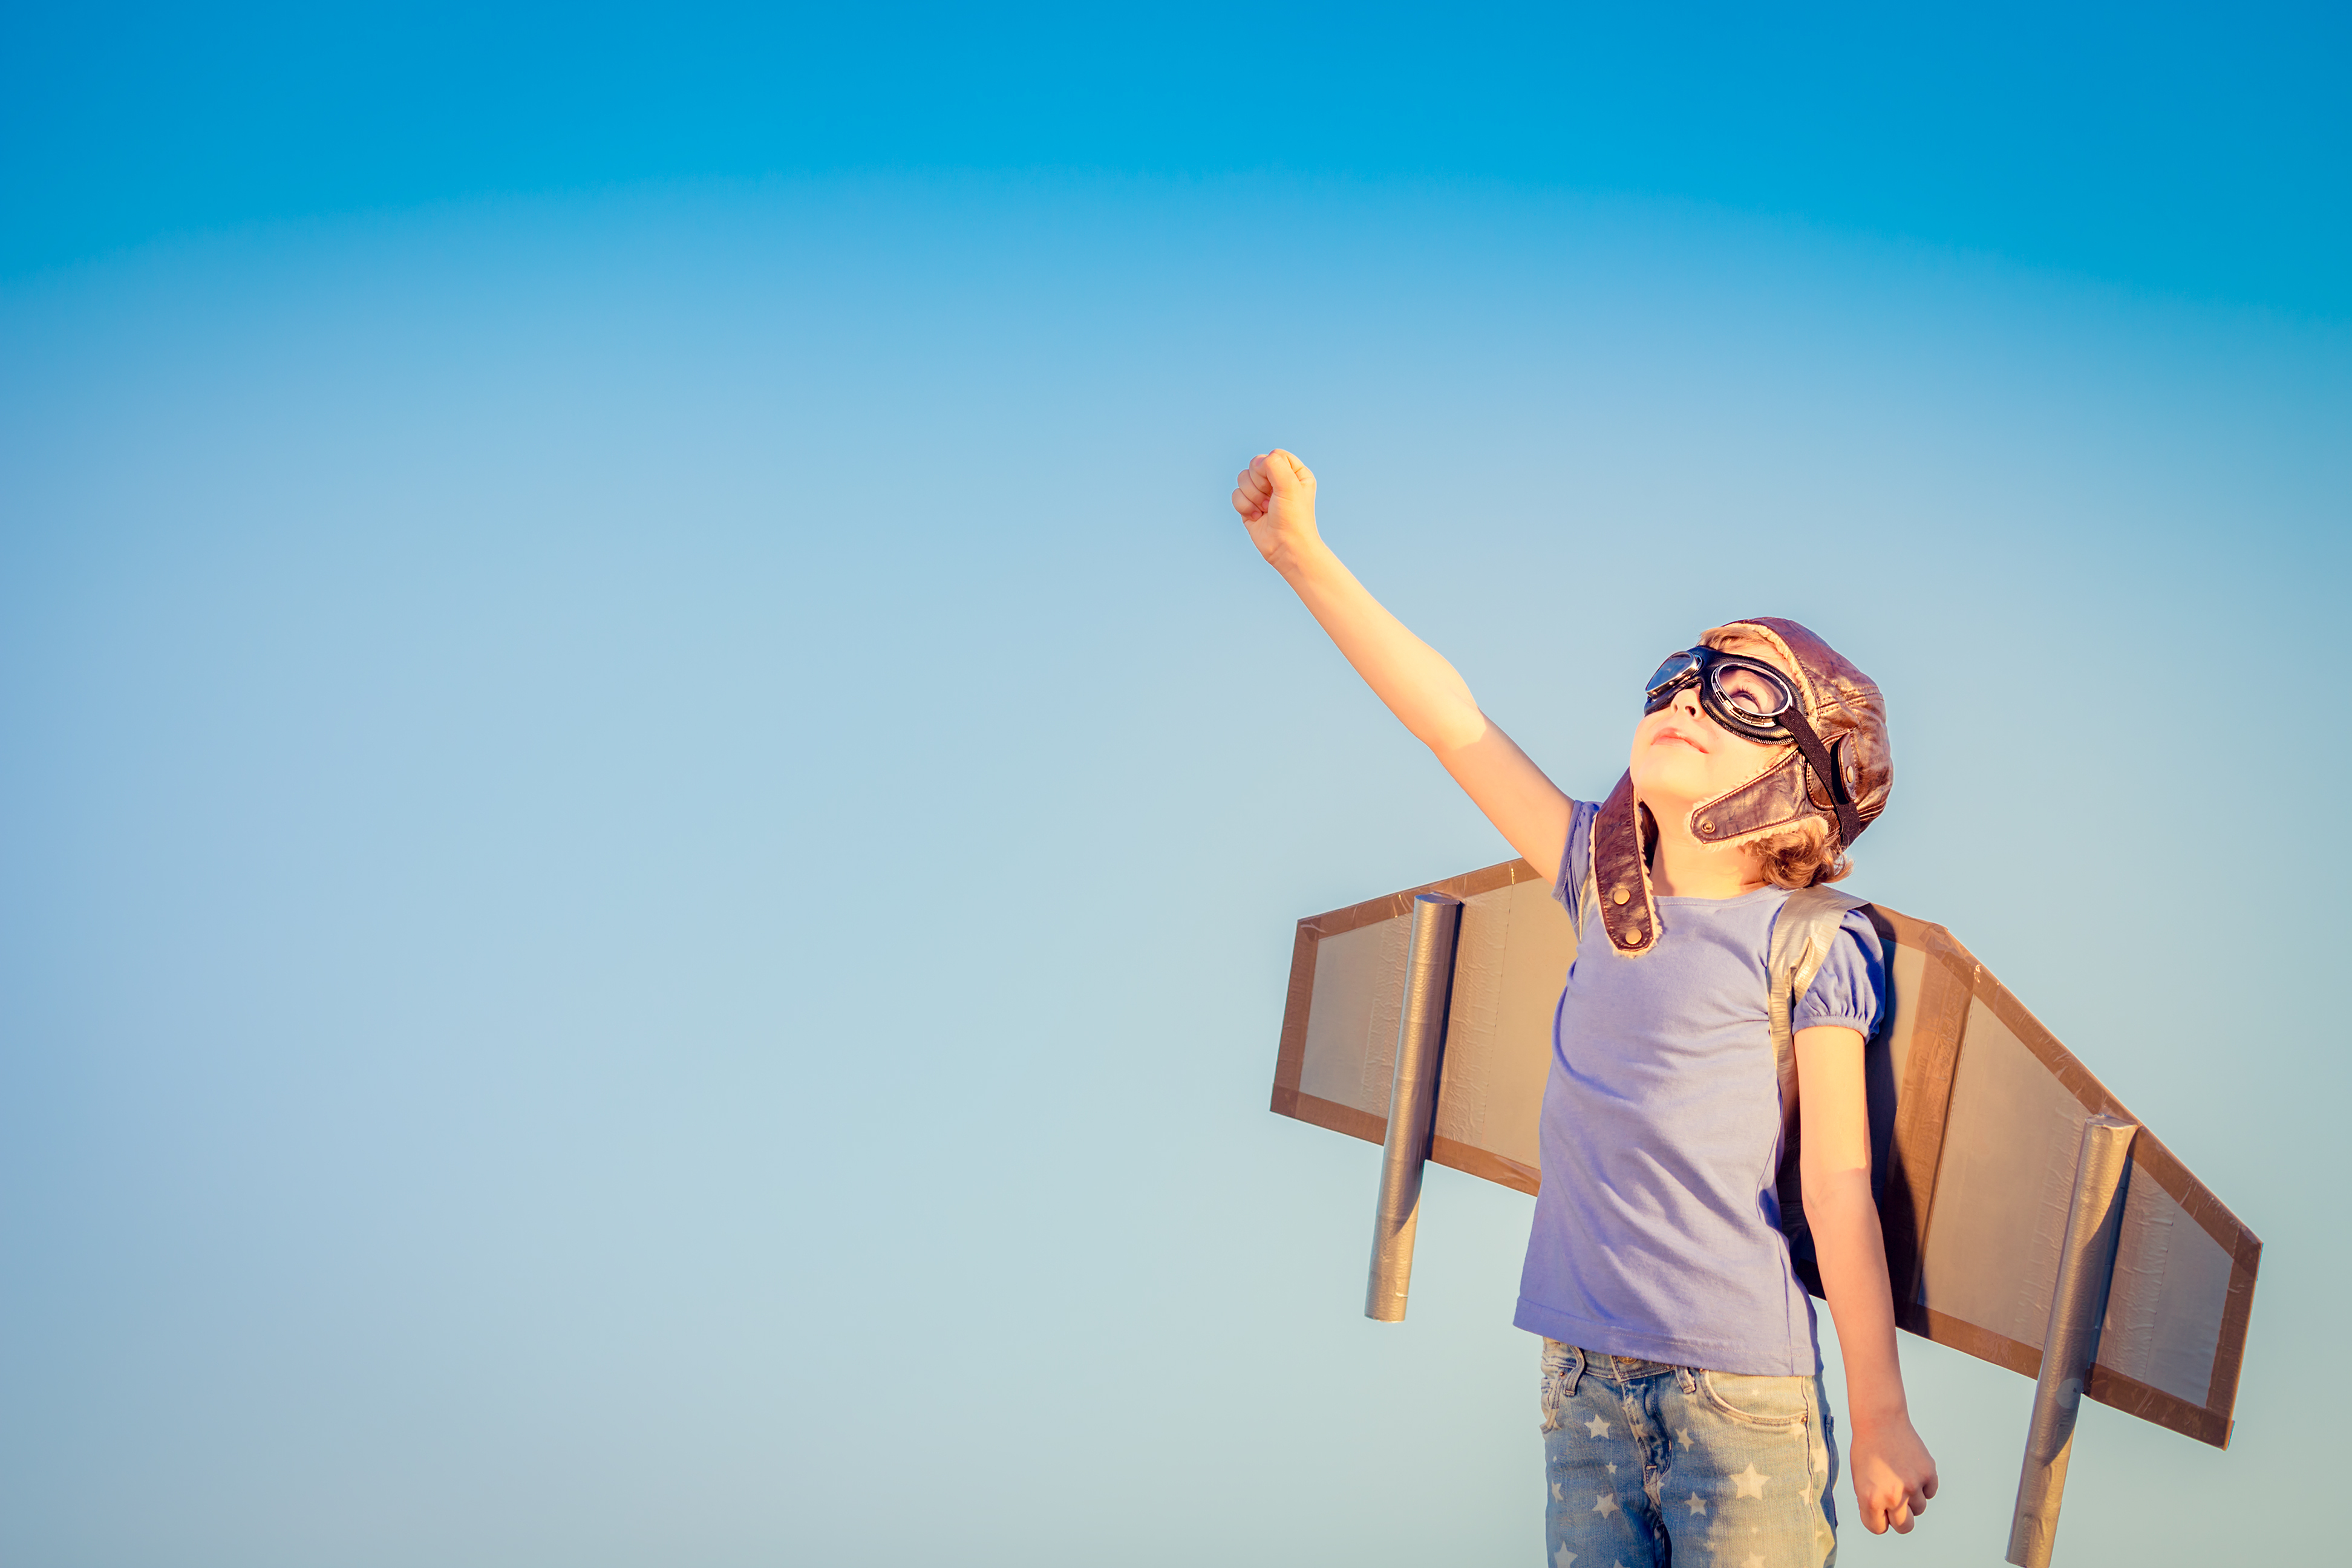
(1412, 1102)
(2087, 1262)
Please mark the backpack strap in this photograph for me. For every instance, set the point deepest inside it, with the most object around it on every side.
(1802, 934)
(1583, 899)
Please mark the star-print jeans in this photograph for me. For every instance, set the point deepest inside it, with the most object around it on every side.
(1649, 1465)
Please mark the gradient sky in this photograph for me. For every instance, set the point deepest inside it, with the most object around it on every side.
(651, 810)
(2204, 149)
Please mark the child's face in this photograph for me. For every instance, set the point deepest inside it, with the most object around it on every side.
(1682, 757)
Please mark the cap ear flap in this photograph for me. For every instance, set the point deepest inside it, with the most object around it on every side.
(1768, 803)
(1620, 873)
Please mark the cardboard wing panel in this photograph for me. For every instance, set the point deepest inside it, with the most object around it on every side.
(1999, 1129)
(1346, 985)
(1977, 1114)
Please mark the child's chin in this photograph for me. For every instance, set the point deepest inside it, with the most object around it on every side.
(1666, 775)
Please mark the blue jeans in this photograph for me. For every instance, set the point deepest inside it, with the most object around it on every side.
(1649, 1464)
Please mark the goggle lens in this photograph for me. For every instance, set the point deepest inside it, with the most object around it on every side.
(1751, 692)
(1678, 669)
(1739, 692)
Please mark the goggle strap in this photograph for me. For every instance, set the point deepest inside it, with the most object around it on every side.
(1817, 757)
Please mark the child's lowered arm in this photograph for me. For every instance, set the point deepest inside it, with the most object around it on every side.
(1276, 498)
(1893, 1474)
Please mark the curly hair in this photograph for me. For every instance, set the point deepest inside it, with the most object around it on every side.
(1800, 857)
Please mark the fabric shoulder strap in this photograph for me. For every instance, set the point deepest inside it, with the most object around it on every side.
(1801, 934)
(1583, 901)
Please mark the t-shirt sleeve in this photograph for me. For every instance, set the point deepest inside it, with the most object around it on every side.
(1579, 847)
(1851, 986)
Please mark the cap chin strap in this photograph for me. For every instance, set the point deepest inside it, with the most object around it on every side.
(1817, 757)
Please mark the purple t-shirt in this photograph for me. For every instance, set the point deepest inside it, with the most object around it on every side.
(1657, 1232)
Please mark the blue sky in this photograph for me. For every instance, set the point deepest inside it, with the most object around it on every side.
(2199, 150)
(651, 810)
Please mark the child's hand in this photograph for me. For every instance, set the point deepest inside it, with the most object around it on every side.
(1893, 1476)
(1276, 496)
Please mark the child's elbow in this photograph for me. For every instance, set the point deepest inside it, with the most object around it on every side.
(1830, 1196)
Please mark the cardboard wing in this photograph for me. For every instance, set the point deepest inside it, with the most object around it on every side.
(1977, 1115)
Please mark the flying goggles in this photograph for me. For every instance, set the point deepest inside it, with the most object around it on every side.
(1752, 699)
(1746, 696)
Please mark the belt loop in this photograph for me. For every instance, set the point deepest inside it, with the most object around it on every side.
(1683, 1375)
(1575, 1369)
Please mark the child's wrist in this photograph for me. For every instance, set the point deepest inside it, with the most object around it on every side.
(1879, 1416)
(1296, 557)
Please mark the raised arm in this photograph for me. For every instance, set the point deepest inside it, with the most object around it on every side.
(1892, 1472)
(1276, 498)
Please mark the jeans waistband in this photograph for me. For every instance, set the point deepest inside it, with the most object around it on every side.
(1618, 1368)
(1626, 1368)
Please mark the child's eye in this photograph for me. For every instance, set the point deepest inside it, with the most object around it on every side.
(1750, 693)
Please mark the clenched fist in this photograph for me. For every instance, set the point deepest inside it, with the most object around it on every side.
(1893, 1476)
(1276, 498)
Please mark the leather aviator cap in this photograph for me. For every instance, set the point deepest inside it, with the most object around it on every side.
(1839, 769)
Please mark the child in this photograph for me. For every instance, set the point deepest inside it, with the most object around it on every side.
(1682, 1396)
